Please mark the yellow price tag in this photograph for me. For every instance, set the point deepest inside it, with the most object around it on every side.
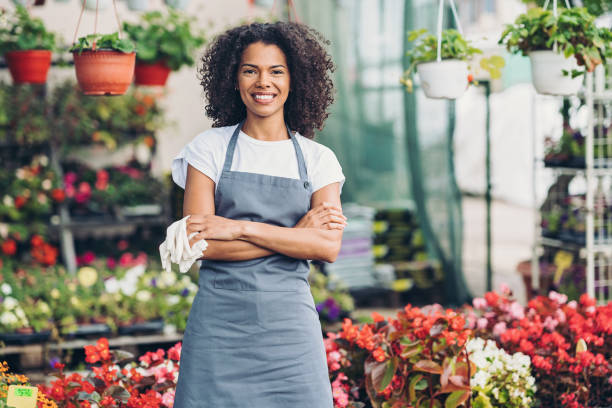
(563, 260)
(21, 396)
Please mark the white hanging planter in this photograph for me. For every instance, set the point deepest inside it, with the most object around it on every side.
(138, 5)
(547, 73)
(102, 4)
(447, 79)
(177, 4)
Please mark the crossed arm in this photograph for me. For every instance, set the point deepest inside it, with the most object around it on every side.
(317, 235)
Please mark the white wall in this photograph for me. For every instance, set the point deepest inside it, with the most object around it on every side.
(183, 102)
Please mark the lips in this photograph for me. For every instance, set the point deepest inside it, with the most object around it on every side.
(263, 98)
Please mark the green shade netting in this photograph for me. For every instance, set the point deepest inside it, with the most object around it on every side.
(395, 148)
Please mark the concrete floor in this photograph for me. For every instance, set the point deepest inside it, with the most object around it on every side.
(512, 236)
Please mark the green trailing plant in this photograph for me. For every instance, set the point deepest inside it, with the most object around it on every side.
(20, 32)
(573, 32)
(454, 46)
(103, 42)
(595, 7)
(169, 37)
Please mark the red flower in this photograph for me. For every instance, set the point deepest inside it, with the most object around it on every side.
(20, 201)
(58, 195)
(107, 401)
(45, 254)
(377, 317)
(36, 240)
(9, 247)
(492, 298)
(174, 353)
(379, 354)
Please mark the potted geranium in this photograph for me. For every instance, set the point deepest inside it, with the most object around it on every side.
(26, 45)
(165, 42)
(447, 78)
(104, 64)
(551, 42)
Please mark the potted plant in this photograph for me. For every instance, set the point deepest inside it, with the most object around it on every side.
(447, 78)
(26, 45)
(551, 41)
(165, 42)
(104, 64)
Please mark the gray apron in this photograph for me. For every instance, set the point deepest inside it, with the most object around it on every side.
(253, 337)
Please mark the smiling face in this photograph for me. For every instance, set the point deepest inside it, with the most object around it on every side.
(263, 80)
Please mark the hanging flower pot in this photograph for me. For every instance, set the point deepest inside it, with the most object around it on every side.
(547, 69)
(572, 32)
(29, 67)
(101, 4)
(446, 79)
(26, 46)
(165, 42)
(104, 64)
(148, 74)
(138, 5)
(177, 4)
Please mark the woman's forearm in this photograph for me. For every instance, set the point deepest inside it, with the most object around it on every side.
(236, 250)
(300, 243)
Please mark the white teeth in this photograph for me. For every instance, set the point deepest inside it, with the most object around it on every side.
(264, 97)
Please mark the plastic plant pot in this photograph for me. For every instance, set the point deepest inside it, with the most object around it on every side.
(447, 79)
(104, 72)
(547, 69)
(29, 67)
(155, 74)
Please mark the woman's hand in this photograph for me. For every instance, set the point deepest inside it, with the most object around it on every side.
(323, 216)
(210, 226)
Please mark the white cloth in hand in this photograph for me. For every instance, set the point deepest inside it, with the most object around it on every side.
(176, 249)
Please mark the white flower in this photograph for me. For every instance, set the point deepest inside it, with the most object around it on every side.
(19, 313)
(42, 199)
(4, 230)
(43, 307)
(10, 303)
(173, 300)
(143, 295)
(6, 289)
(43, 160)
(46, 184)
(8, 201)
(111, 285)
(20, 173)
(8, 319)
(167, 279)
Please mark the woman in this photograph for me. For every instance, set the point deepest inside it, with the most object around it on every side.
(266, 200)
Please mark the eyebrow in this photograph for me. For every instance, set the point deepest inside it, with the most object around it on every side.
(255, 66)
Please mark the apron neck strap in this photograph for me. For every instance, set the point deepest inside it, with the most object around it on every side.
(229, 154)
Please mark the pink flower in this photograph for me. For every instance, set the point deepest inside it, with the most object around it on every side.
(479, 303)
(550, 323)
(111, 263)
(505, 289)
(573, 304)
(168, 398)
(126, 260)
(557, 297)
(81, 197)
(516, 311)
(70, 178)
(70, 190)
(88, 257)
(482, 323)
(499, 329)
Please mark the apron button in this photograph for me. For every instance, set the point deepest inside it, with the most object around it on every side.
(306, 184)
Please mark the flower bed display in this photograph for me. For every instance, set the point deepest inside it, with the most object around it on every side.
(496, 353)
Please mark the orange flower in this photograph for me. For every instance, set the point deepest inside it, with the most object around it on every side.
(377, 317)
(379, 354)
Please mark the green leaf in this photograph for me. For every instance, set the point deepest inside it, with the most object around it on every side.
(456, 398)
(389, 373)
(412, 386)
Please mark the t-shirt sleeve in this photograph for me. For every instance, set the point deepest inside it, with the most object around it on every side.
(327, 170)
(202, 154)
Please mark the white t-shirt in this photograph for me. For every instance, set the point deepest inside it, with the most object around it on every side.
(206, 153)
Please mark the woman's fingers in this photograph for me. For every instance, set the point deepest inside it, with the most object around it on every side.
(334, 226)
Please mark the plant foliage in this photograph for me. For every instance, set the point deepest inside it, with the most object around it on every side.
(167, 37)
(103, 42)
(20, 32)
(573, 32)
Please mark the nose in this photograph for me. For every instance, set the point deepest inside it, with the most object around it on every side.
(263, 80)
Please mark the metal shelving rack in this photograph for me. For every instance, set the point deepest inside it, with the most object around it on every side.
(595, 179)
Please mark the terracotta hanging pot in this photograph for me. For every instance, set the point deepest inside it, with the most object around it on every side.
(155, 74)
(29, 67)
(104, 72)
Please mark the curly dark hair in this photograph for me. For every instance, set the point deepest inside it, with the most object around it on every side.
(309, 65)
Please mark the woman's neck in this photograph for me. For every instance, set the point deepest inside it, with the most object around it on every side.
(269, 129)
